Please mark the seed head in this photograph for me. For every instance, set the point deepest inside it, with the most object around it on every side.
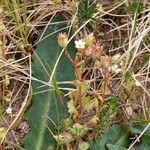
(62, 39)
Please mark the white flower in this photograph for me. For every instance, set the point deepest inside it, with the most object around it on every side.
(9, 110)
(115, 68)
(80, 44)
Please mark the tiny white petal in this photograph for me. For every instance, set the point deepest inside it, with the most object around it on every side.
(80, 44)
(115, 68)
(137, 83)
(9, 110)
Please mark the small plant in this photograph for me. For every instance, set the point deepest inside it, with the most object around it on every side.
(135, 7)
(86, 10)
(92, 74)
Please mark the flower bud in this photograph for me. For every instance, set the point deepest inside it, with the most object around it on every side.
(62, 39)
(89, 39)
(2, 132)
(64, 137)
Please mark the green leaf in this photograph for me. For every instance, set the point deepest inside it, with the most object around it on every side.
(46, 109)
(144, 143)
(136, 6)
(115, 147)
(89, 105)
(138, 129)
(115, 135)
(86, 10)
(71, 107)
(109, 112)
(78, 130)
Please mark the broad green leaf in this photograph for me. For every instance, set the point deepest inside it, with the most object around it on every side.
(138, 129)
(46, 109)
(144, 143)
(115, 147)
(115, 135)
